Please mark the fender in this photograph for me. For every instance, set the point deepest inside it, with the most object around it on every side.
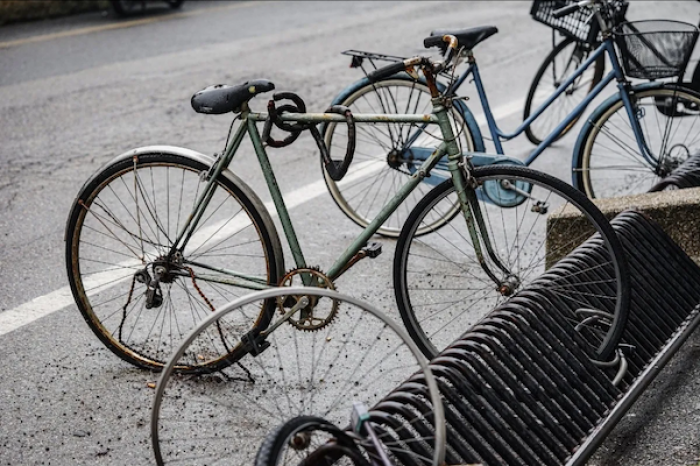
(597, 113)
(458, 104)
(208, 161)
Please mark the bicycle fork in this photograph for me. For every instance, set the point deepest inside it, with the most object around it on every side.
(465, 185)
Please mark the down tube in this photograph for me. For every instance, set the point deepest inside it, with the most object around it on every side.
(413, 181)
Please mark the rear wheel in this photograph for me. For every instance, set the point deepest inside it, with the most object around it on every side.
(556, 68)
(386, 154)
(175, 4)
(128, 7)
(139, 300)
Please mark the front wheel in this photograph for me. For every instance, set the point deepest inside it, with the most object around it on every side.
(531, 220)
(386, 154)
(609, 161)
(562, 61)
(139, 299)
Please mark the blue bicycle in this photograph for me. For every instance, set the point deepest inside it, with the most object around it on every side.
(627, 145)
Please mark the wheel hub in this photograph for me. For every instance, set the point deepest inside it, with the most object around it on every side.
(300, 441)
(394, 159)
(161, 272)
(509, 286)
(673, 159)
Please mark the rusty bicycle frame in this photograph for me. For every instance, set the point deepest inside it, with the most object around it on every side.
(458, 165)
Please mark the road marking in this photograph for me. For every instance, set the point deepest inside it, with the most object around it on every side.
(45, 305)
(500, 113)
(119, 25)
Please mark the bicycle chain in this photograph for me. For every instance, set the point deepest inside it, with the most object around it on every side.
(199, 290)
(128, 301)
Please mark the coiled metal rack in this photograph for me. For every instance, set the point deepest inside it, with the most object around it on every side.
(519, 387)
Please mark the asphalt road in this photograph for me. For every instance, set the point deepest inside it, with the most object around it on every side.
(76, 92)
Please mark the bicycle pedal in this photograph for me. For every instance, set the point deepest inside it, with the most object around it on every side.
(372, 249)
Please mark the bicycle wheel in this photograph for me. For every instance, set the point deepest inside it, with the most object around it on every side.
(386, 154)
(357, 355)
(561, 62)
(128, 7)
(609, 162)
(118, 238)
(311, 439)
(441, 288)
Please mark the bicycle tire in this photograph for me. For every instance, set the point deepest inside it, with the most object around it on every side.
(273, 451)
(124, 8)
(372, 179)
(441, 289)
(360, 355)
(124, 219)
(607, 161)
(542, 88)
(175, 4)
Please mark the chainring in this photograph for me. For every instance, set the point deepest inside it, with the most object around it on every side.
(313, 317)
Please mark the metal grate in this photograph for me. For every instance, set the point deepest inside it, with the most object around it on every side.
(519, 387)
(686, 175)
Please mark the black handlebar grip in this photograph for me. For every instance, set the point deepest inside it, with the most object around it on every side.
(434, 41)
(567, 10)
(386, 71)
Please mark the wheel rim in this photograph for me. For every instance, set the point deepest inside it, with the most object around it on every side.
(444, 291)
(381, 164)
(361, 356)
(303, 438)
(561, 67)
(612, 165)
(115, 241)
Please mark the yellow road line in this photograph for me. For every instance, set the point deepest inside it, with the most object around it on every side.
(119, 25)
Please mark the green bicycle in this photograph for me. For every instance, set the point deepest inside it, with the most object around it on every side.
(161, 236)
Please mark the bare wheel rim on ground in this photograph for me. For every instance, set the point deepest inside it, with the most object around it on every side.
(223, 417)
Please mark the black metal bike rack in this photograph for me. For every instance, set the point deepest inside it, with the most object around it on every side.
(519, 388)
(687, 175)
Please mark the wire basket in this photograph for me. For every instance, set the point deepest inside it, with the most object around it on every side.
(580, 25)
(655, 49)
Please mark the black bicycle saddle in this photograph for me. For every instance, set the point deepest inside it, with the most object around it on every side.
(467, 38)
(222, 98)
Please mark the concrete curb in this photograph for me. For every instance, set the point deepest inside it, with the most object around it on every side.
(676, 211)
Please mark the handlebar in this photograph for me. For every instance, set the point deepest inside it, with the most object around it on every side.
(568, 9)
(447, 43)
(386, 71)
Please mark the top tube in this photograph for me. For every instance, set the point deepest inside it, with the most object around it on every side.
(357, 117)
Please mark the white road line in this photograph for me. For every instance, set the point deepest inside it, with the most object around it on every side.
(499, 113)
(47, 304)
(44, 305)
